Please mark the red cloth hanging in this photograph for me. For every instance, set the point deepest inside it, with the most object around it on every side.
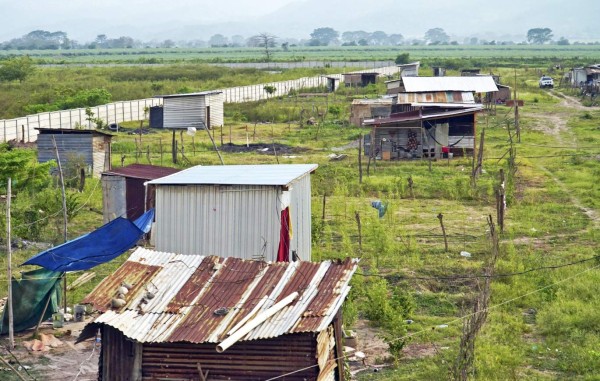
(283, 253)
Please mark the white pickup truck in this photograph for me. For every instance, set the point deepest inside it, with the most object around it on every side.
(546, 81)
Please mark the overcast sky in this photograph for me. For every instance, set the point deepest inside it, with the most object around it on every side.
(83, 20)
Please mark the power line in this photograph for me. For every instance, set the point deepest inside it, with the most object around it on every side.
(483, 276)
(449, 322)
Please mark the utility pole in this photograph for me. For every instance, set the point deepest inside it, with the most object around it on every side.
(65, 220)
(517, 127)
(11, 334)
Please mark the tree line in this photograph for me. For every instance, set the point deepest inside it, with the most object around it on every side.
(323, 36)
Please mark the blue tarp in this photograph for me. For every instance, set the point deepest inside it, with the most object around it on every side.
(95, 248)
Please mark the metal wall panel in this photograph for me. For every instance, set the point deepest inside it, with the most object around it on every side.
(228, 221)
(99, 153)
(68, 146)
(216, 109)
(113, 197)
(117, 356)
(255, 360)
(300, 208)
(184, 112)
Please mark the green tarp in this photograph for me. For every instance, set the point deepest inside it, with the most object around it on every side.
(30, 294)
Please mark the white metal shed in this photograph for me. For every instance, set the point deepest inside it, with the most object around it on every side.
(243, 211)
(199, 110)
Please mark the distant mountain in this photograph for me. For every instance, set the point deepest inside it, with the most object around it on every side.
(186, 20)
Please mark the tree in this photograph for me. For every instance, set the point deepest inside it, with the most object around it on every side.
(266, 41)
(101, 40)
(539, 35)
(218, 40)
(563, 41)
(395, 39)
(402, 58)
(355, 36)
(436, 36)
(18, 68)
(323, 36)
(379, 38)
(237, 40)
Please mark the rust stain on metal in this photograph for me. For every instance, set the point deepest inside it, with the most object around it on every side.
(184, 309)
(134, 273)
(194, 284)
(224, 291)
(300, 280)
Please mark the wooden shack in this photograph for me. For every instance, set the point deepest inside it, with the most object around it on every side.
(89, 148)
(362, 109)
(124, 193)
(426, 131)
(235, 319)
(359, 79)
(438, 71)
(198, 110)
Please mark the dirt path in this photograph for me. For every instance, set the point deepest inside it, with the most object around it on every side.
(66, 362)
(555, 124)
(571, 102)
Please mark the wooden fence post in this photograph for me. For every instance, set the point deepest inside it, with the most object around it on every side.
(359, 225)
(440, 216)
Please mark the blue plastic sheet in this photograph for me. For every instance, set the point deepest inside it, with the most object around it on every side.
(95, 248)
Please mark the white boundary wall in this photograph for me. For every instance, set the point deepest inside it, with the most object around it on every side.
(23, 128)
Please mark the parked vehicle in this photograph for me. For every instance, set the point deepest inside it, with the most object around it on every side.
(546, 81)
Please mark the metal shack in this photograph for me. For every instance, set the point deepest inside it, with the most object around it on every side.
(124, 193)
(427, 131)
(90, 147)
(244, 211)
(235, 319)
(362, 109)
(199, 110)
(359, 79)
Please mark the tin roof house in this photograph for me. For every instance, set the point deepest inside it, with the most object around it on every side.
(198, 110)
(188, 315)
(359, 79)
(431, 117)
(90, 148)
(245, 211)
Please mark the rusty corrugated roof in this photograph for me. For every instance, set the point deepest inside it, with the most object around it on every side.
(188, 289)
(142, 171)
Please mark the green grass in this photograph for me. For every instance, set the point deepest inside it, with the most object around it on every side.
(545, 226)
(501, 54)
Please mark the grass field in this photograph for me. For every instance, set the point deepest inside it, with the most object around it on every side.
(499, 54)
(542, 324)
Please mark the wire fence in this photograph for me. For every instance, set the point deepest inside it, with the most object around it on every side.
(24, 128)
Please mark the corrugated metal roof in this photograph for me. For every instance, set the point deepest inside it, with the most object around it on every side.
(479, 84)
(415, 116)
(383, 101)
(276, 174)
(188, 289)
(73, 131)
(142, 171)
(448, 97)
(202, 93)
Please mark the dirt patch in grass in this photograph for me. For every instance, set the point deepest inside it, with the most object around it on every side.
(262, 148)
(62, 363)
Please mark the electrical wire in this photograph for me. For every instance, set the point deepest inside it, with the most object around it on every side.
(429, 329)
(484, 276)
